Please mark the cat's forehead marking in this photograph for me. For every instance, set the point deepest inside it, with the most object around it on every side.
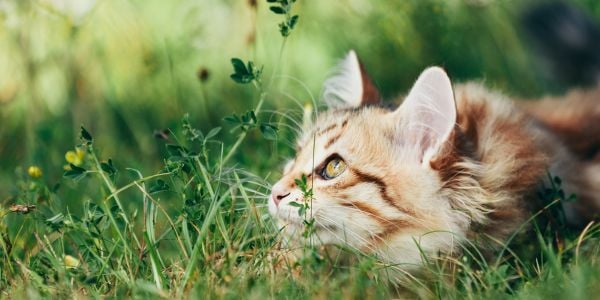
(343, 131)
(326, 129)
(332, 140)
(327, 124)
(334, 125)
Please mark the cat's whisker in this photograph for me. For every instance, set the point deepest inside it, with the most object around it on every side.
(302, 84)
(260, 184)
(291, 127)
(371, 233)
(288, 116)
(375, 216)
(296, 132)
(254, 192)
(380, 218)
(251, 197)
(350, 221)
(243, 209)
(294, 99)
(346, 230)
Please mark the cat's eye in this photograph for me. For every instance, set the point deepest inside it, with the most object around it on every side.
(333, 169)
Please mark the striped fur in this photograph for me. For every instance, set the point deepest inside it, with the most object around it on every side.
(482, 181)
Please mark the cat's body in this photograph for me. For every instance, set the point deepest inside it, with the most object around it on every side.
(451, 165)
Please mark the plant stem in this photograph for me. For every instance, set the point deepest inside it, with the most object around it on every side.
(194, 257)
(132, 184)
(261, 100)
(113, 193)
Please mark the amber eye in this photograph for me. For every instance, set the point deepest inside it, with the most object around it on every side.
(333, 169)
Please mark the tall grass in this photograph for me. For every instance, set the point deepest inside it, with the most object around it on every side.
(199, 229)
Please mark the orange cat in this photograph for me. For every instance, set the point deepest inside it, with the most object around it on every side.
(449, 165)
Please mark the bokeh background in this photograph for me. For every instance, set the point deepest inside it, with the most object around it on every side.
(125, 68)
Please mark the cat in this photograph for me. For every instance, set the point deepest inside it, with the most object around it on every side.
(449, 166)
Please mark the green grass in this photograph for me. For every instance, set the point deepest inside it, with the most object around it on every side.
(216, 241)
(185, 215)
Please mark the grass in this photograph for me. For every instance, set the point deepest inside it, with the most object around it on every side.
(181, 213)
(218, 242)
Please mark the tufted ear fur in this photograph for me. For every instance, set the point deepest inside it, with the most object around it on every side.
(350, 86)
(428, 114)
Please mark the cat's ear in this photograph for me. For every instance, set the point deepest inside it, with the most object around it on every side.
(350, 86)
(428, 114)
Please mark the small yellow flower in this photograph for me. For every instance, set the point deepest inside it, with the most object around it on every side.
(71, 262)
(34, 172)
(75, 157)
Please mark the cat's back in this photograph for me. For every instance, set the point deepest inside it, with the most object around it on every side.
(574, 118)
(518, 143)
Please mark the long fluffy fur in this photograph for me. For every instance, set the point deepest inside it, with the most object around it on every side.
(483, 181)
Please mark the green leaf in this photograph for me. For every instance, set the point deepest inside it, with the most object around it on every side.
(268, 131)
(213, 132)
(76, 173)
(301, 183)
(296, 204)
(292, 22)
(85, 136)
(242, 78)
(557, 180)
(94, 213)
(245, 118)
(242, 74)
(56, 222)
(108, 167)
(249, 118)
(301, 207)
(233, 119)
(190, 133)
(158, 186)
(284, 29)
(238, 66)
(278, 10)
(176, 150)
(252, 116)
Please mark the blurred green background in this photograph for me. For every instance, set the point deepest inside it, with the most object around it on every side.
(124, 68)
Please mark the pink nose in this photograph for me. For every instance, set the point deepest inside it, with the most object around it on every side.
(278, 193)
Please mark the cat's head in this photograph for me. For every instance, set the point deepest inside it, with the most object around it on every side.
(372, 170)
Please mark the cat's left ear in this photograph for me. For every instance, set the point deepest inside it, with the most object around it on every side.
(350, 86)
(427, 117)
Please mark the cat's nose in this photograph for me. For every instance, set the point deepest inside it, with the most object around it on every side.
(279, 193)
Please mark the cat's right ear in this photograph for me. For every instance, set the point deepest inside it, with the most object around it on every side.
(350, 86)
(428, 114)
